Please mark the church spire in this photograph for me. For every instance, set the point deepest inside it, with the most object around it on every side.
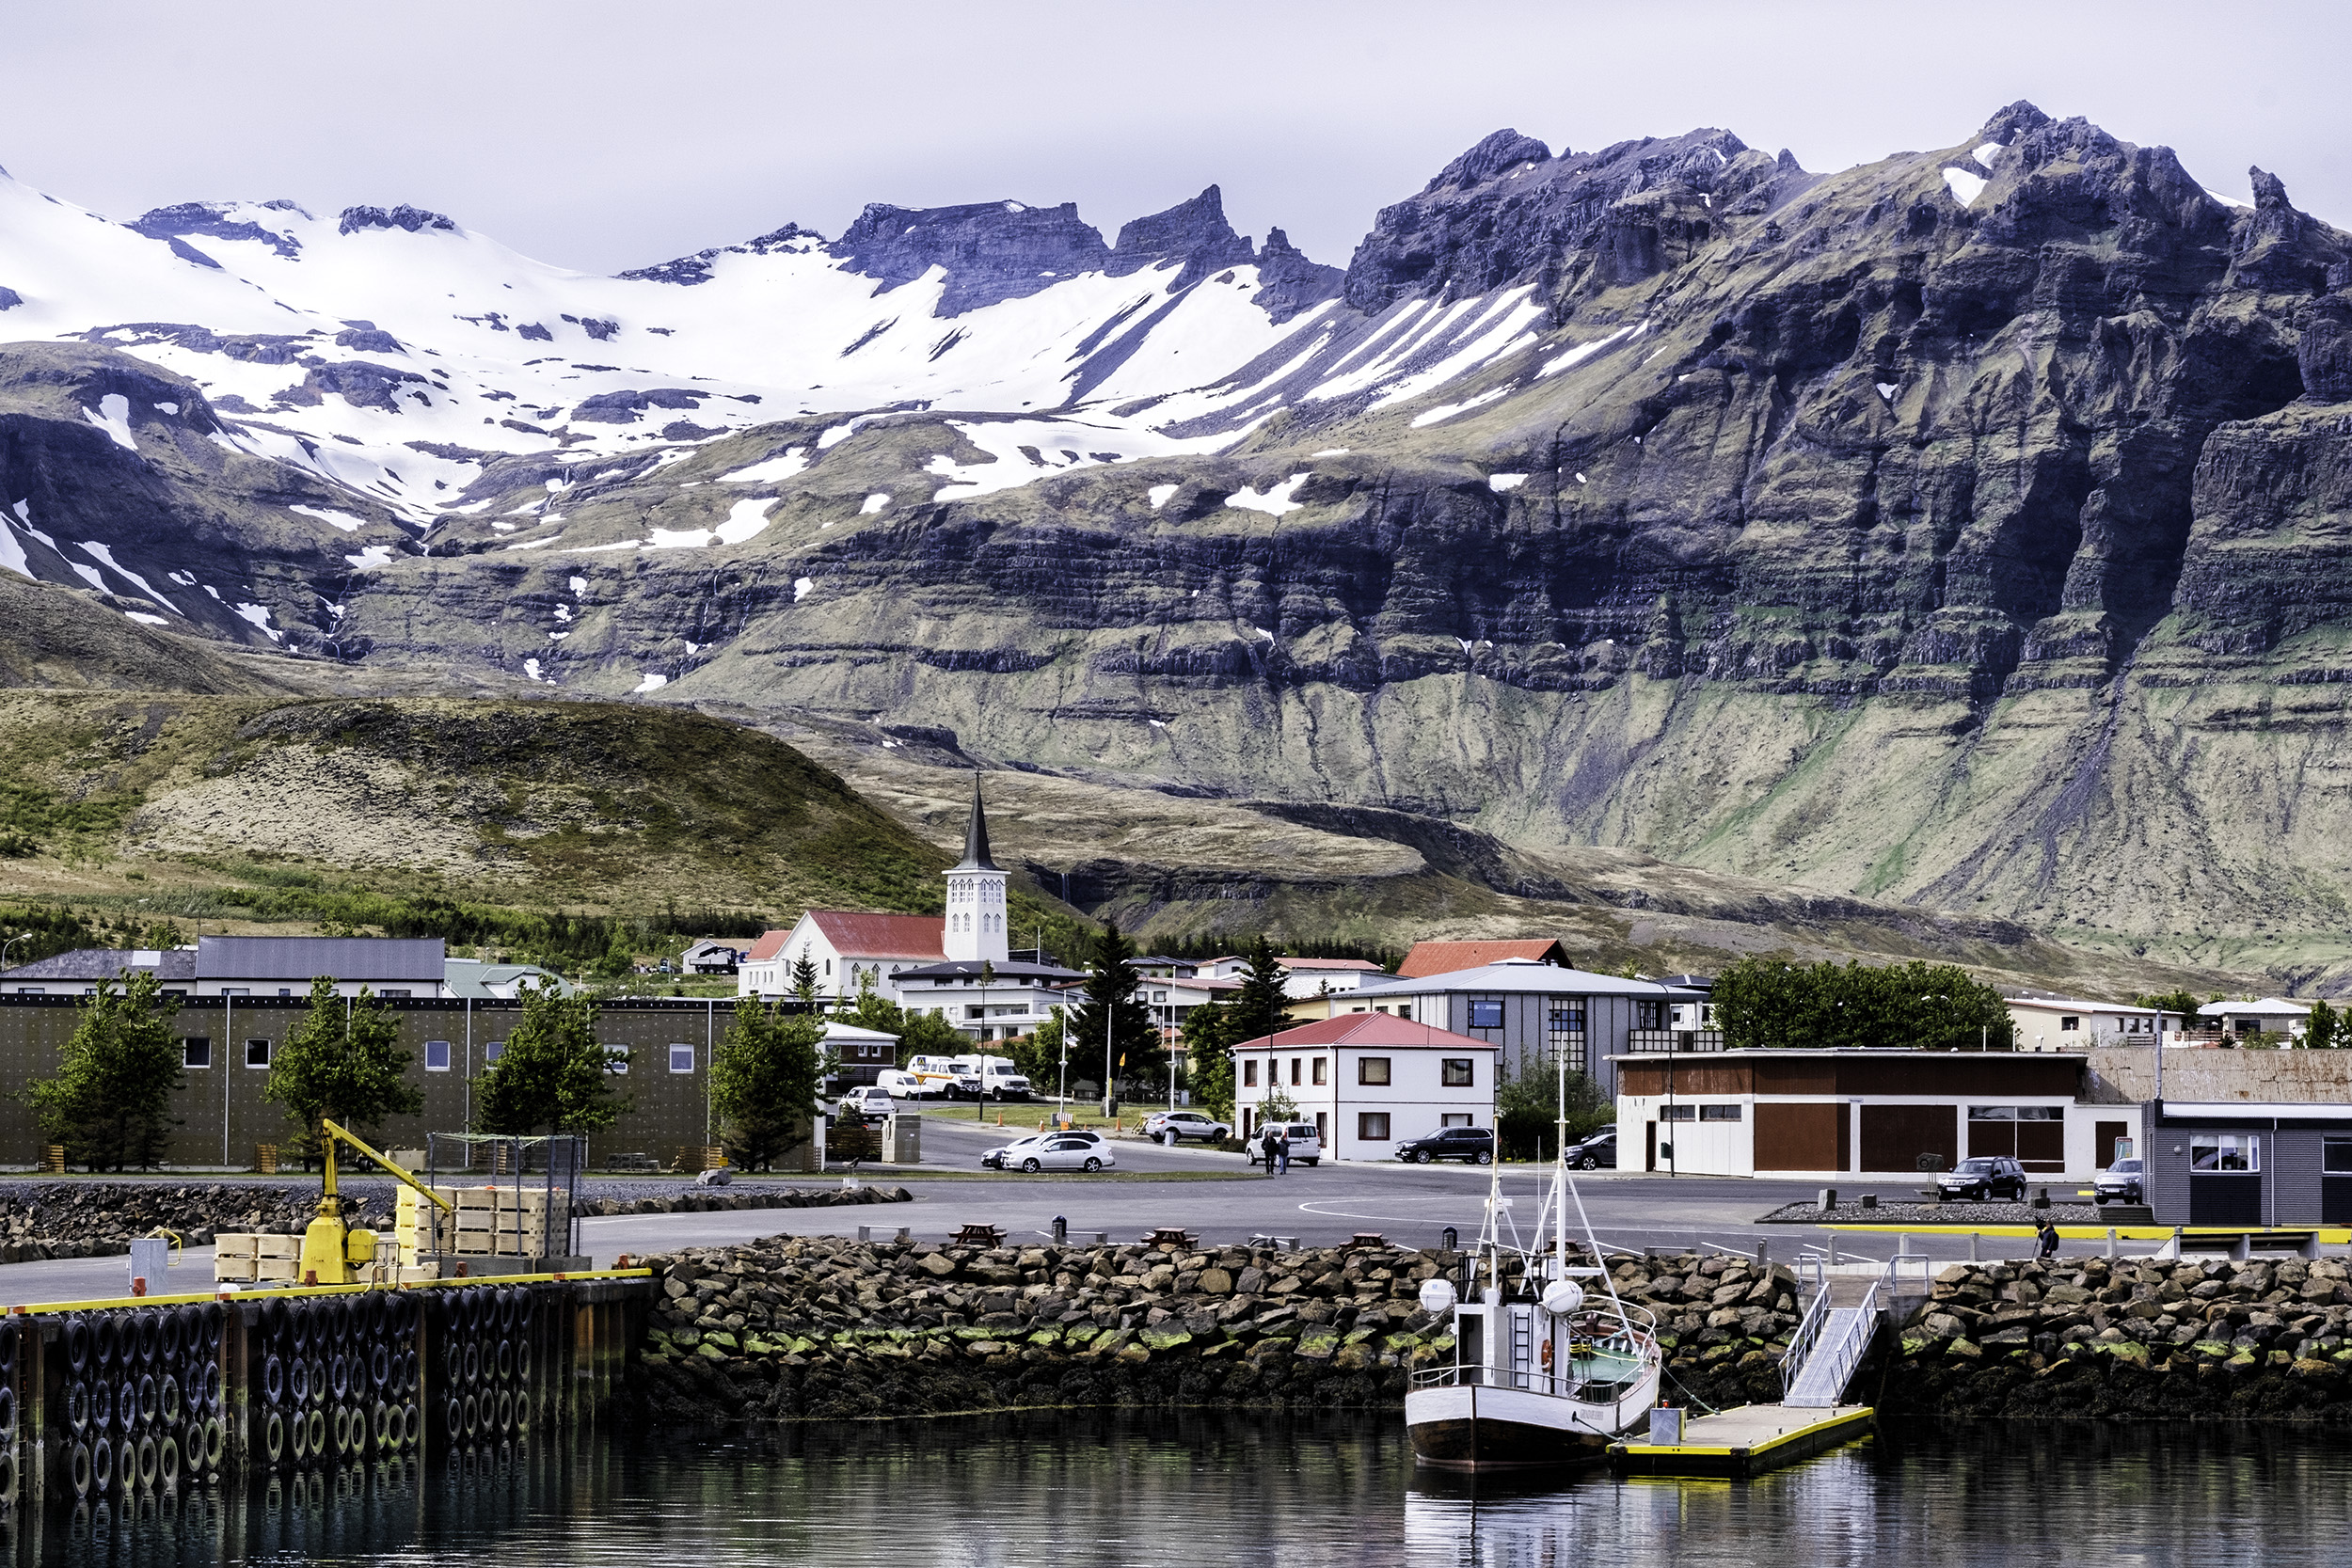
(975, 835)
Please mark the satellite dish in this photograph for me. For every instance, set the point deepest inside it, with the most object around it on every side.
(1437, 1297)
(1563, 1296)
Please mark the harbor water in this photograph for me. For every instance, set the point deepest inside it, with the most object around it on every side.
(1081, 1489)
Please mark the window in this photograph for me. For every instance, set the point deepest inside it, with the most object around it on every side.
(1455, 1118)
(492, 1051)
(1649, 1015)
(234, 990)
(1294, 1061)
(1485, 1015)
(1249, 1073)
(1373, 1070)
(1719, 1113)
(390, 995)
(1372, 1126)
(617, 1064)
(257, 1052)
(2335, 1156)
(2224, 1151)
(437, 1055)
(682, 1057)
(1678, 1113)
(195, 1051)
(1322, 1070)
(1458, 1072)
(2070, 1025)
(1404, 1011)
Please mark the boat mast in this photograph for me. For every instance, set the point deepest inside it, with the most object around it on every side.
(1560, 1167)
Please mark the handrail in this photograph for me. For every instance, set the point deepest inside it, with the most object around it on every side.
(1850, 1353)
(1801, 1343)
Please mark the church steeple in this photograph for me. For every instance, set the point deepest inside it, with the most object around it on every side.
(975, 926)
(975, 835)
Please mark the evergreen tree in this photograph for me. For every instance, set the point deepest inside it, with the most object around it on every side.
(2324, 1029)
(110, 1101)
(555, 1075)
(1110, 1019)
(763, 1082)
(343, 1062)
(1260, 1006)
(805, 979)
(1209, 1040)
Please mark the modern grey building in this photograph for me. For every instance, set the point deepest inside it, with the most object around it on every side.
(1534, 1011)
(392, 968)
(2237, 1163)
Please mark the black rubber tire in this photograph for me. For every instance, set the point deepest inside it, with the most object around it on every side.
(1094, 1165)
(298, 1326)
(102, 1395)
(473, 1417)
(1031, 1166)
(338, 1431)
(411, 1425)
(522, 1412)
(318, 1431)
(407, 1374)
(506, 1412)
(77, 1345)
(77, 1408)
(147, 1336)
(167, 1336)
(147, 1398)
(506, 1361)
(526, 1304)
(168, 1462)
(273, 1437)
(473, 1363)
(298, 1384)
(213, 1317)
(506, 1309)
(1482, 1158)
(380, 1366)
(273, 1316)
(217, 1441)
(339, 1377)
(77, 1468)
(151, 1461)
(522, 1362)
(167, 1400)
(101, 1342)
(379, 1425)
(272, 1379)
(454, 1418)
(298, 1437)
(318, 1382)
(1588, 1163)
(211, 1390)
(192, 1449)
(8, 1344)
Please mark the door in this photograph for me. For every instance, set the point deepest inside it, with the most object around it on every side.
(1649, 1145)
(1801, 1137)
(1901, 1137)
(2105, 1136)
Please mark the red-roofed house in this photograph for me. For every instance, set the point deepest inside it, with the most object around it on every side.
(1368, 1081)
(1448, 958)
(842, 943)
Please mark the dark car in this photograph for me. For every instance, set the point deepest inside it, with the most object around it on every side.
(2119, 1184)
(1474, 1144)
(1984, 1177)
(1596, 1152)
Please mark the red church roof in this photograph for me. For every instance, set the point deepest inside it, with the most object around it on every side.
(854, 935)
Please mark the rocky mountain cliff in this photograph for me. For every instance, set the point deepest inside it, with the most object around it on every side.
(1959, 528)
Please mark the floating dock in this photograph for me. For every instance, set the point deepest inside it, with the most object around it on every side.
(1739, 1444)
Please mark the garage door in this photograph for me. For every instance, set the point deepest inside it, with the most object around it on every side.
(1896, 1138)
(1801, 1137)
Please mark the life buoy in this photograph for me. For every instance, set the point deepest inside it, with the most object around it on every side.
(1545, 1356)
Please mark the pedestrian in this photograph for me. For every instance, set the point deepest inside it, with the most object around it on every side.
(1265, 1147)
(1282, 1150)
(2048, 1234)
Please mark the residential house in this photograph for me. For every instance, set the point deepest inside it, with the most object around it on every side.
(1533, 1012)
(986, 1000)
(1452, 958)
(2068, 1023)
(1368, 1081)
(1305, 977)
(472, 979)
(2269, 1015)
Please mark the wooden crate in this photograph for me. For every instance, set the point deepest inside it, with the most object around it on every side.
(286, 1247)
(236, 1270)
(237, 1244)
(265, 1159)
(275, 1271)
(53, 1158)
(418, 1274)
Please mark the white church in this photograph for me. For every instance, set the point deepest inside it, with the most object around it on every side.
(958, 965)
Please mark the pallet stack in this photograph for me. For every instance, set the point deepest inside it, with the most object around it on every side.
(498, 1222)
(246, 1260)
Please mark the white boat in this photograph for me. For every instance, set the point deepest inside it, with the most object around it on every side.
(1549, 1367)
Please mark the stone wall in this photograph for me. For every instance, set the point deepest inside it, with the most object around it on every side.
(2126, 1074)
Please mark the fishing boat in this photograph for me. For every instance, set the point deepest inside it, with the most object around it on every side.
(1549, 1364)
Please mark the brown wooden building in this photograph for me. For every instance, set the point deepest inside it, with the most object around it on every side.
(1850, 1112)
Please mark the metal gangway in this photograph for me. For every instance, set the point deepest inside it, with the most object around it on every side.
(1836, 1329)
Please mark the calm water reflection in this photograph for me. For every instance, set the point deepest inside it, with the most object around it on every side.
(1082, 1490)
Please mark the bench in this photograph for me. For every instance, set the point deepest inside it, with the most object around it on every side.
(1367, 1241)
(903, 1233)
(979, 1235)
(1170, 1237)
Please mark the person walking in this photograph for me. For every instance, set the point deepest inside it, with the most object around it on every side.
(2047, 1231)
(1265, 1148)
(1282, 1150)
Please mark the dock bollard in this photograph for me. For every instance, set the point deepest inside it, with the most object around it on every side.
(1972, 1246)
(1061, 1232)
(2111, 1241)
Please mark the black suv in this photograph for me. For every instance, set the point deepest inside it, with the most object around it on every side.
(1474, 1144)
(1984, 1177)
(1595, 1151)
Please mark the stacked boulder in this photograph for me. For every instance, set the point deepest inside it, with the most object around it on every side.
(1723, 1322)
(2131, 1337)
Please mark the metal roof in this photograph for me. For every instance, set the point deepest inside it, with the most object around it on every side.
(2269, 1006)
(969, 969)
(975, 835)
(419, 961)
(471, 977)
(1520, 976)
(1447, 957)
(858, 935)
(1385, 1030)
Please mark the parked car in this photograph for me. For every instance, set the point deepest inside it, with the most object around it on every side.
(870, 1104)
(946, 1078)
(1984, 1177)
(1059, 1151)
(901, 1084)
(1171, 1127)
(2121, 1182)
(1598, 1152)
(1009, 1156)
(1474, 1144)
(1306, 1143)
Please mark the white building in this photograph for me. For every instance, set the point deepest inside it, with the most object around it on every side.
(1368, 1081)
(394, 968)
(2069, 1024)
(1304, 977)
(845, 947)
(2269, 1015)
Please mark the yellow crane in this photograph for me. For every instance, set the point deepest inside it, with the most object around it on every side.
(332, 1252)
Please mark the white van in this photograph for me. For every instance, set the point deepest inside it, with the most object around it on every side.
(1001, 1079)
(1306, 1143)
(901, 1084)
(945, 1077)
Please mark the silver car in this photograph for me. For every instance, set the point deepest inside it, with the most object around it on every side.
(1061, 1151)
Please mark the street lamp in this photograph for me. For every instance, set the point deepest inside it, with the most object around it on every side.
(21, 936)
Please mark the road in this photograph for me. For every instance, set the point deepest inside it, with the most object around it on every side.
(1226, 1200)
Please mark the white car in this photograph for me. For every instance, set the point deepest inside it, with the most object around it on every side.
(1060, 1152)
(1012, 1155)
(869, 1102)
(1306, 1143)
(1168, 1127)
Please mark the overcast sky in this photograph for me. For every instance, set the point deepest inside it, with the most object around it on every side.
(601, 135)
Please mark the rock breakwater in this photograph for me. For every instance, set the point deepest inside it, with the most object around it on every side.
(821, 1328)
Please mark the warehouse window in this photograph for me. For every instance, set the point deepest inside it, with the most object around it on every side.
(492, 1051)
(1372, 1126)
(257, 1052)
(617, 1064)
(682, 1057)
(195, 1051)
(1485, 1015)
(437, 1055)
(1373, 1070)
(1294, 1061)
(1459, 1074)
(1678, 1113)
(2219, 1151)
(393, 995)
(1719, 1113)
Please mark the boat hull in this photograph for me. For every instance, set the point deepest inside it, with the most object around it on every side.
(1473, 1426)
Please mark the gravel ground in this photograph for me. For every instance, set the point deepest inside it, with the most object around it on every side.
(1924, 1214)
